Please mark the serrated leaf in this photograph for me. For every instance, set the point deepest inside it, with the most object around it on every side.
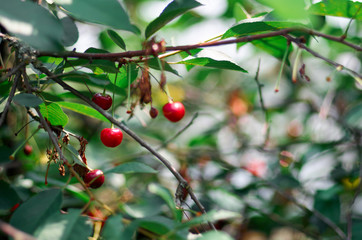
(106, 12)
(116, 39)
(83, 109)
(208, 62)
(173, 10)
(257, 25)
(69, 226)
(338, 8)
(35, 211)
(132, 167)
(25, 20)
(27, 99)
(54, 114)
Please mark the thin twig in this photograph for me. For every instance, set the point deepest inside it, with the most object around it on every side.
(262, 105)
(179, 132)
(10, 98)
(14, 232)
(144, 144)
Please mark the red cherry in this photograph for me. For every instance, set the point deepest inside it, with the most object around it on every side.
(28, 149)
(94, 178)
(104, 101)
(174, 111)
(111, 137)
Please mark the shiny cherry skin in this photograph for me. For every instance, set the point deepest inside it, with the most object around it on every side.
(111, 137)
(104, 101)
(174, 111)
(94, 178)
(28, 149)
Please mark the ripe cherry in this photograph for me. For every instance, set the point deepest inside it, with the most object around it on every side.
(111, 137)
(94, 178)
(28, 149)
(104, 101)
(174, 111)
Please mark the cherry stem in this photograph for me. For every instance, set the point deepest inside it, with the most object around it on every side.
(295, 67)
(129, 86)
(16, 134)
(281, 68)
(23, 143)
(114, 89)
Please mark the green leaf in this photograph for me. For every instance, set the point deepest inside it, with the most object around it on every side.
(54, 114)
(288, 9)
(105, 12)
(8, 196)
(338, 8)
(153, 63)
(165, 195)
(173, 10)
(116, 39)
(215, 235)
(257, 25)
(27, 99)
(211, 58)
(71, 33)
(208, 62)
(72, 153)
(69, 226)
(275, 46)
(83, 109)
(35, 211)
(113, 228)
(31, 23)
(132, 167)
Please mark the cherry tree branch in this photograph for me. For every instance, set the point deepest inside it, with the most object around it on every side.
(10, 98)
(133, 135)
(138, 53)
(314, 53)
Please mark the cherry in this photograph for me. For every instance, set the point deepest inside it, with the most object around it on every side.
(28, 149)
(104, 101)
(94, 178)
(174, 111)
(111, 137)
